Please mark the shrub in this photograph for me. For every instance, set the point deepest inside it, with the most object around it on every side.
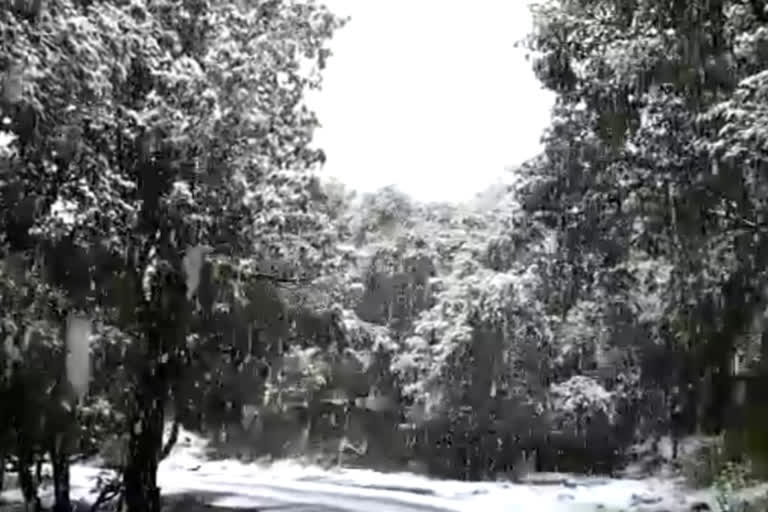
(702, 465)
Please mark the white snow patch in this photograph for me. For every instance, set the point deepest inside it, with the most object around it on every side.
(253, 484)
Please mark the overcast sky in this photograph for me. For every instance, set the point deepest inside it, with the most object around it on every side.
(430, 95)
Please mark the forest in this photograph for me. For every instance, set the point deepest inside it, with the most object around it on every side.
(172, 255)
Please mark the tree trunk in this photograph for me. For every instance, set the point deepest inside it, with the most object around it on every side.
(60, 461)
(722, 393)
(29, 490)
(146, 436)
(141, 491)
(164, 319)
(26, 480)
(704, 398)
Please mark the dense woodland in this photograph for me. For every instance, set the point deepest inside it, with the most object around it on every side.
(172, 254)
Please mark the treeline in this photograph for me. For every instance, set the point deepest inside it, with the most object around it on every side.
(161, 205)
(617, 293)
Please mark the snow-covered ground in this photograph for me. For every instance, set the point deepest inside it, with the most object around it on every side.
(234, 484)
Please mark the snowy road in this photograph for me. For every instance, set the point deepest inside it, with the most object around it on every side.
(364, 491)
(228, 485)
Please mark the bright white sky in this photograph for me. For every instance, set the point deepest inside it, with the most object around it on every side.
(430, 95)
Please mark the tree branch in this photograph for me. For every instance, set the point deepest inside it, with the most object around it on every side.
(171, 442)
(745, 223)
(109, 492)
(279, 279)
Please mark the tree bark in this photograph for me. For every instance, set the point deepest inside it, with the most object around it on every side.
(140, 479)
(146, 436)
(60, 461)
(164, 319)
(27, 483)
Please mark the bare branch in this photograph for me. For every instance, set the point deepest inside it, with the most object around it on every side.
(171, 442)
(110, 491)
